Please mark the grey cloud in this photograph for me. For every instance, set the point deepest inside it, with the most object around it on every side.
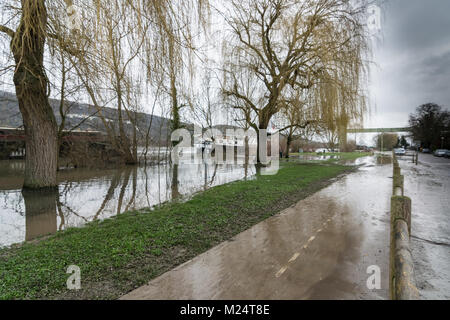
(414, 58)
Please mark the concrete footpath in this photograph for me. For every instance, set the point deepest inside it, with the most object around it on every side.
(320, 248)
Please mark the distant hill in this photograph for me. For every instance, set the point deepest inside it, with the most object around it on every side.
(10, 116)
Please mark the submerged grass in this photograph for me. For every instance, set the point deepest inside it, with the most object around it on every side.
(119, 254)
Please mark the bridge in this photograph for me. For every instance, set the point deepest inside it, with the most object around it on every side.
(378, 130)
(12, 141)
(343, 132)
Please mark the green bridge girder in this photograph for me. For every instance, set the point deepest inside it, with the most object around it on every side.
(378, 130)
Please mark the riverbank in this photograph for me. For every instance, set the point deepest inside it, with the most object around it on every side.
(119, 254)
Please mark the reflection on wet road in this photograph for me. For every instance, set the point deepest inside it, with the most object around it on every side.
(318, 249)
(87, 195)
(428, 186)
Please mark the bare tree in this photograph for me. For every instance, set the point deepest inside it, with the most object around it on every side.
(285, 44)
(296, 116)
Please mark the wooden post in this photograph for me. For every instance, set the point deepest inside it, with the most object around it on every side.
(401, 274)
(397, 187)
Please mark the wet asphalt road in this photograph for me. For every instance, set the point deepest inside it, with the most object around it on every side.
(428, 186)
(320, 248)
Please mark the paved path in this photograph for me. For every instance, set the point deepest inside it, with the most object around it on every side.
(318, 249)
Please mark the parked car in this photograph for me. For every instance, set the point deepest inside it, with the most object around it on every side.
(426, 150)
(447, 154)
(440, 152)
(400, 151)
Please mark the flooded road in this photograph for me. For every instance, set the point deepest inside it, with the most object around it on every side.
(86, 195)
(428, 186)
(319, 248)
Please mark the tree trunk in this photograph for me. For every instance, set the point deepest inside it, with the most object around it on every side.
(263, 124)
(176, 124)
(40, 212)
(247, 156)
(31, 85)
(174, 184)
(288, 145)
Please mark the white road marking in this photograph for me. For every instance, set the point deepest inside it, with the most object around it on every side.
(296, 255)
(282, 270)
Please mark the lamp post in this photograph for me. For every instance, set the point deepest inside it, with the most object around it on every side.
(442, 142)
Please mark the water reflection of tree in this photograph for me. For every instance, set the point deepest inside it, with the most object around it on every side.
(115, 186)
(62, 204)
(213, 177)
(40, 212)
(147, 192)
(110, 193)
(13, 201)
(120, 178)
(131, 203)
(126, 180)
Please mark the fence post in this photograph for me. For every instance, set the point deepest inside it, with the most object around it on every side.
(397, 170)
(398, 189)
(402, 284)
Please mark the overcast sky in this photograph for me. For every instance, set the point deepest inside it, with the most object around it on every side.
(413, 60)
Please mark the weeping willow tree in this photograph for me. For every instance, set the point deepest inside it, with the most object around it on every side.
(27, 36)
(171, 51)
(297, 117)
(339, 94)
(132, 43)
(111, 37)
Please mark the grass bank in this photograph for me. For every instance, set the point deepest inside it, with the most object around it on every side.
(122, 253)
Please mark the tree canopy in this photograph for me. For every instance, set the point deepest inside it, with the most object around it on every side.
(430, 125)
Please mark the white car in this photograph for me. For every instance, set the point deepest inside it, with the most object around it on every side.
(400, 151)
(440, 152)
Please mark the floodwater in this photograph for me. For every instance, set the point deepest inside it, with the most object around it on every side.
(86, 195)
(317, 157)
(320, 248)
